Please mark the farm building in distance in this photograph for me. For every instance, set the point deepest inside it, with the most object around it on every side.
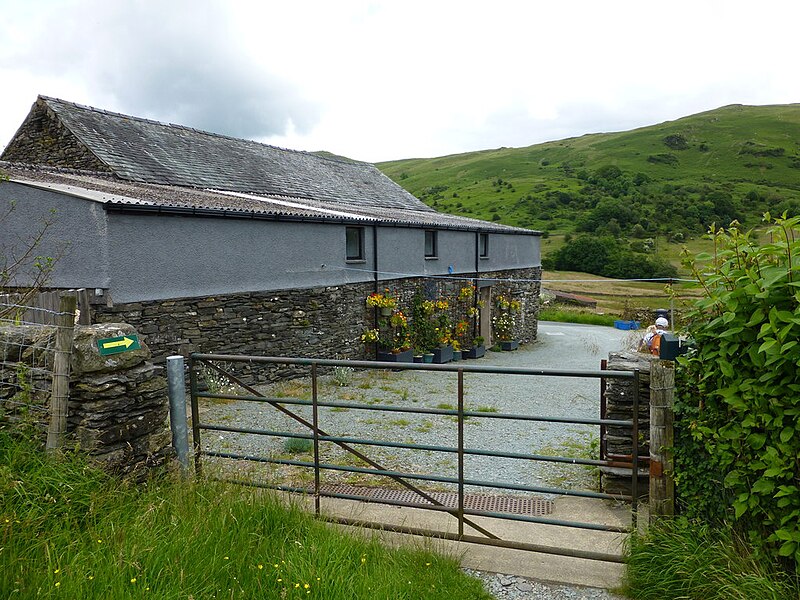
(209, 243)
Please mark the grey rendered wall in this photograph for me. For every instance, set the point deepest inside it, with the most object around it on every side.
(401, 251)
(511, 252)
(142, 257)
(78, 233)
(159, 257)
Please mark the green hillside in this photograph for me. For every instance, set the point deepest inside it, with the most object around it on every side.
(670, 180)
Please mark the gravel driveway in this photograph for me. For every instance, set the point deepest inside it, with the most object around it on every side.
(560, 346)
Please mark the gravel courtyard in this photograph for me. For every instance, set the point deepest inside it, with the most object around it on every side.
(560, 346)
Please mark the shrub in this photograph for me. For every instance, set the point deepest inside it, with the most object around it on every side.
(676, 142)
(739, 405)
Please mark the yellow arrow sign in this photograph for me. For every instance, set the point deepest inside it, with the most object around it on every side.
(125, 341)
(118, 344)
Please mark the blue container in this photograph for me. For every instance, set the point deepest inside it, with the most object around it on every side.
(626, 324)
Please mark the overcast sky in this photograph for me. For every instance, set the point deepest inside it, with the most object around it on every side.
(383, 80)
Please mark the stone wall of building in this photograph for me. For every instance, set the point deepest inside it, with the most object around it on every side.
(43, 140)
(322, 322)
(118, 404)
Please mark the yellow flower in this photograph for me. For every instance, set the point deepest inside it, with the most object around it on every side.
(58, 583)
(260, 566)
(133, 579)
(306, 586)
(297, 585)
(56, 571)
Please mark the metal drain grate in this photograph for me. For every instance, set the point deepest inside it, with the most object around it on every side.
(514, 505)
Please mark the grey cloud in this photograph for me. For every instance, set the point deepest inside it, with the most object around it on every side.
(172, 61)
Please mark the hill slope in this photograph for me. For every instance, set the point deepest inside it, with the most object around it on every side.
(670, 179)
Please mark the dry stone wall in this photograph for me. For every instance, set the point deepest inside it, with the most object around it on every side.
(619, 405)
(118, 404)
(318, 322)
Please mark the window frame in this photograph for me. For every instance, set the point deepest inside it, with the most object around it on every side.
(483, 245)
(361, 257)
(434, 237)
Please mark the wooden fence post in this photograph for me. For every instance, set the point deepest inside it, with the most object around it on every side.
(662, 484)
(59, 395)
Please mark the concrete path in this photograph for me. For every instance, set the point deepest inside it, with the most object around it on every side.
(534, 565)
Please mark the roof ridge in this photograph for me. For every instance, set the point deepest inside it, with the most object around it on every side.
(204, 132)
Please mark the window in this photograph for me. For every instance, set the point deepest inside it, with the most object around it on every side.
(355, 243)
(483, 245)
(431, 251)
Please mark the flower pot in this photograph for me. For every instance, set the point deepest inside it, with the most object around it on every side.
(427, 357)
(442, 354)
(508, 345)
(476, 352)
(386, 311)
(456, 355)
(418, 358)
(405, 356)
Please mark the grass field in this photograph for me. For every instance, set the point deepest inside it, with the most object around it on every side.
(621, 297)
(746, 155)
(69, 531)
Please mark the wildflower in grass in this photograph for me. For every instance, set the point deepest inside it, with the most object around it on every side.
(58, 583)
(133, 579)
(57, 571)
(306, 586)
(260, 566)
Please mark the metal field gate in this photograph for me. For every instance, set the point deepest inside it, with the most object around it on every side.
(304, 438)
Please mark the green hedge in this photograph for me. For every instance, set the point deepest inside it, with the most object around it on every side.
(738, 410)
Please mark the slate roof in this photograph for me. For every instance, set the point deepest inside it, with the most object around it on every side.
(149, 151)
(116, 194)
(167, 167)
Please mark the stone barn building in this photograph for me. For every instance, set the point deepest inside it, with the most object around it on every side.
(208, 243)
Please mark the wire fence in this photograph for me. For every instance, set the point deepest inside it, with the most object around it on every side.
(29, 347)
